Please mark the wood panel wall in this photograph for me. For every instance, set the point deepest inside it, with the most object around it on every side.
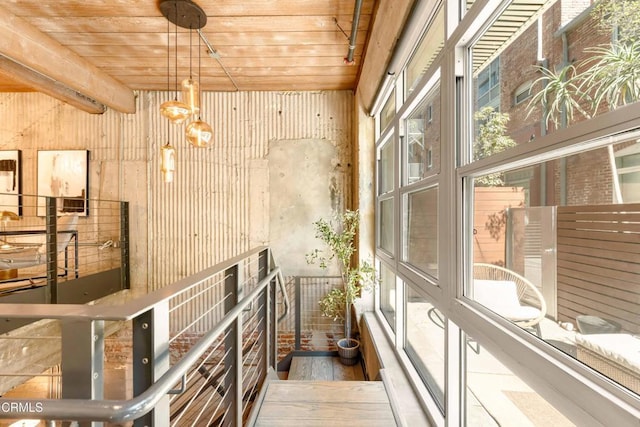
(599, 263)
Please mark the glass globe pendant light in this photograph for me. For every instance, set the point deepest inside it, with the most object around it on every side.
(177, 112)
(199, 133)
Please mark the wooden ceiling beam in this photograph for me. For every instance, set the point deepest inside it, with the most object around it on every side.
(50, 87)
(35, 52)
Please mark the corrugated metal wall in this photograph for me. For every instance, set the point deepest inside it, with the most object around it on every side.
(204, 216)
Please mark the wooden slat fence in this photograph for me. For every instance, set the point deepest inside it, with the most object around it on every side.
(599, 263)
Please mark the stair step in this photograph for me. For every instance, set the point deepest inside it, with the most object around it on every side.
(323, 368)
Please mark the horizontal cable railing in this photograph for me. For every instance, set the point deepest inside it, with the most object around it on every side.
(48, 241)
(193, 364)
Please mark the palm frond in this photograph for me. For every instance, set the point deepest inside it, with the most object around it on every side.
(613, 74)
(560, 94)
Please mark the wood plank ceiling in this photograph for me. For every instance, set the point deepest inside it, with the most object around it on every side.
(282, 45)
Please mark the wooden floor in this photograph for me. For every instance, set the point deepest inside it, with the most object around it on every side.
(325, 403)
(323, 369)
(320, 391)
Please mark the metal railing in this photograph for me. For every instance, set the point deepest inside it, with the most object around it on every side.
(304, 328)
(212, 382)
(48, 242)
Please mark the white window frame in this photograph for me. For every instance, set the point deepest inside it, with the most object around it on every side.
(574, 389)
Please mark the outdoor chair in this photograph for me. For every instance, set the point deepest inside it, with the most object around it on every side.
(508, 294)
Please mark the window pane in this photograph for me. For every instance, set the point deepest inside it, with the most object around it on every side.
(388, 111)
(604, 52)
(429, 47)
(422, 143)
(388, 295)
(497, 397)
(386, 225)
(558, 243)
(421, 230)
(425, 342)
(627, 161)
(386, 168)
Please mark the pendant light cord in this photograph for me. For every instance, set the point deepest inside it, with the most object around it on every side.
(168, 72)
(176, 61)
(168, 59)
(199, 73)
(190, 50)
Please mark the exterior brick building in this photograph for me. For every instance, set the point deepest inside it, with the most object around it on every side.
(563, 35)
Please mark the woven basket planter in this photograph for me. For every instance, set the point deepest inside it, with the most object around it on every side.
(348, 350)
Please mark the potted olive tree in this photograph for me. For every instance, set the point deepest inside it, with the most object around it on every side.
(339, 236)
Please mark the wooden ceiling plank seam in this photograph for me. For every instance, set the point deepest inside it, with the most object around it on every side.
(214, 25)
(218, 39)
(211, 7)
(130, 53)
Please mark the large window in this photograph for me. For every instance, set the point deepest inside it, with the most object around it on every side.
(495, 396)
(386, 179)
(388, 295)
(386, 168)
(526, 222)
(388, 111)
(386, 225)
(569, 265)
(425, 342)
(426, 51)
(421, 230)
(422, 139)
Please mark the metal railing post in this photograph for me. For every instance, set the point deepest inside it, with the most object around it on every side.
(151, 359)
(83, 350)
(52, 249)
(265, 313)
(124, 245)
(298, 319)
(273, 319)
(83, 361)
(233, 345)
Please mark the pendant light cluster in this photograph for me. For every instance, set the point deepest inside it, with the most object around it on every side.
(185, 14)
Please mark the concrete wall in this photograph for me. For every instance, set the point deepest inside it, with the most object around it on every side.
(307, 183)
(223, 201)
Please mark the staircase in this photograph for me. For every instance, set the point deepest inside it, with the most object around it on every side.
(320, 391)
(324, 368)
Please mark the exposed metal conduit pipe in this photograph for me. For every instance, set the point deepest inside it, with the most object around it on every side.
(354, 32)
(215, 55)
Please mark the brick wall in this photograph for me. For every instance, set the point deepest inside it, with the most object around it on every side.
(588, 175)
